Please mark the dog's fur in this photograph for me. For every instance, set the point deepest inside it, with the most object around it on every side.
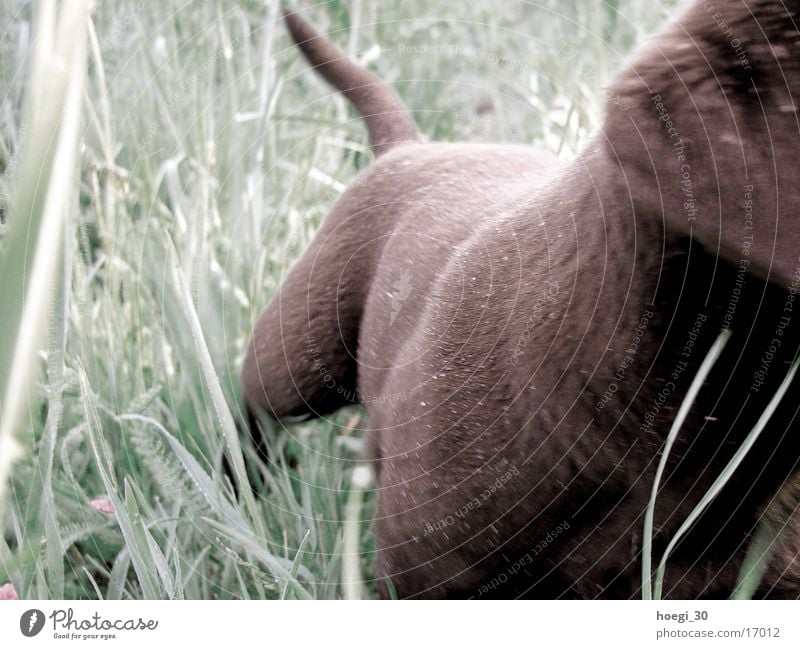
(523, 332)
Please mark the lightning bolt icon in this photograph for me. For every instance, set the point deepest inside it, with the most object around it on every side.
(32, 620)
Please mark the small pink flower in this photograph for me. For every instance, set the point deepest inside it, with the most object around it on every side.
(103, 505)
(7, 591)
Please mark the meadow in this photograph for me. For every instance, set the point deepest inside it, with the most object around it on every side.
(155, 185)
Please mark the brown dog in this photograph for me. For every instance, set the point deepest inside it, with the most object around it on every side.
(522, 333)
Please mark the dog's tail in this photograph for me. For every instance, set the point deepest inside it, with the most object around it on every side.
(388, 121)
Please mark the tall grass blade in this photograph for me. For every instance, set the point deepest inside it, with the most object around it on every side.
(220, 405)
(352, 581)
(756, 561)
(683, 411)
(42, 198)
(726, 474)
(126, 511)
(202, 481)
(280, 569)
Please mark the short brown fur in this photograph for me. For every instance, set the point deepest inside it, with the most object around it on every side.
(481, 300)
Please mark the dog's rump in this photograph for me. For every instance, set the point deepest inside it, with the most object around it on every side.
(376, 259)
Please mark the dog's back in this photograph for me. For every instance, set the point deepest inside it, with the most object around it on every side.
(522, 333)
(413, 206)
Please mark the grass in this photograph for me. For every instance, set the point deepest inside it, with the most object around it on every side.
(648, 591)
(208, 155)
(758, 554)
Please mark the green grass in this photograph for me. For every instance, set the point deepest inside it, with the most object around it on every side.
(208, 156)
(760, 548)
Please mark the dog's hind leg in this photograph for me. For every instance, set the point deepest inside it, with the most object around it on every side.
(301, 358)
